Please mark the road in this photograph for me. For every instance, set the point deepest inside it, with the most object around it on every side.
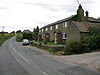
(16, 59)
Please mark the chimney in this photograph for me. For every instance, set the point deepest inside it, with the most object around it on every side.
(87, 14)
(80, 13)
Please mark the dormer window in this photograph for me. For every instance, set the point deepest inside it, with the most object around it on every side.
(56, 26)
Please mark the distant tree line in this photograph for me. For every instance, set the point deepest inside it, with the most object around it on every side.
(27, 35)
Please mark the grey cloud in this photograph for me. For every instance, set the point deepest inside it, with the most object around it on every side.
(51, 7)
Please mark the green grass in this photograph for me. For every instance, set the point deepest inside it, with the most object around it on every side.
(4, 37)
(50, 50)
(49, 43)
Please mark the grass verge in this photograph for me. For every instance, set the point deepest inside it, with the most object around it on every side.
(4, 37)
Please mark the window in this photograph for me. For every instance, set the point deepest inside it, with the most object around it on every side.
(43, 35)
(56, 26)
(64, 35)
(51, 28)
(42, 30)
(65, 25)
(46, 29)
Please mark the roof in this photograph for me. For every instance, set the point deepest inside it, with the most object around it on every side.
(59, 21)
(81, 26)
(94, 20)
(27, 31)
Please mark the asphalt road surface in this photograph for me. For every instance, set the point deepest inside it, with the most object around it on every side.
(16, 59)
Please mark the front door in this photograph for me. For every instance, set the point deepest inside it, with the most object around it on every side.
(58, 38)
(55, 38)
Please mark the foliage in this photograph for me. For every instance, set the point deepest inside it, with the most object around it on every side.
(74, 18)
(73, 47)
(13, 32)
(19, 31)
(92, 41)
(19, 37)
(28, 36)
(35, 33)
(98, 18)
(51, 50)
(4, 38)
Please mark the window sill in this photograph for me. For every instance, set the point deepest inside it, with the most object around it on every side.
(63, 38)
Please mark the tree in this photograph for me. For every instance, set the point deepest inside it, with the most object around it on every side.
(19, 31)
(27, 36)
(13, 32)
(98, 18)
(35, 33)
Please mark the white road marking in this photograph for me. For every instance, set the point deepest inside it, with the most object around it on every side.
(44, 72)
(21, 55)
(26, 59)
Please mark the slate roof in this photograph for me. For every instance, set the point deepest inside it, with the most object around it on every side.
(81, 26)
(59, 21)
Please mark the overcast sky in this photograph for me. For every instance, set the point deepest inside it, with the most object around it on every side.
(27, 14)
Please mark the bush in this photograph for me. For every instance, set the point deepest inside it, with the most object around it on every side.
(28, 36)
(19, 37)
(92, 41)
(4, 37)
(52, 50)
(73, 47)
(45, 42)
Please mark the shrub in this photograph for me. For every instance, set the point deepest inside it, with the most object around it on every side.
(92, 41)
(45, 42)
(4, 37)
(52, 50)
(73, 47)
(28, 36)
(19, 37)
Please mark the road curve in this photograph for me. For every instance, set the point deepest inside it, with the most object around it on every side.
(32, 62)
(8, 64)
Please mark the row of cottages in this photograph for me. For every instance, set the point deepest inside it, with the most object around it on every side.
(75, 27)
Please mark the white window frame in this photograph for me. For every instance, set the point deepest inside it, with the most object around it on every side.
(64, 36)
(65, 24)
(42, 30)
(57, 26)
(46, 29)
(50, 27)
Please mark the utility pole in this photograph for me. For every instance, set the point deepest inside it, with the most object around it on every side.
(3, 27)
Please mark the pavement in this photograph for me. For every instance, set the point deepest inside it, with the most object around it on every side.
(88, 60)
(17, 59)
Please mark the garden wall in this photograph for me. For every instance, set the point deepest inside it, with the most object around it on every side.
(58, 48)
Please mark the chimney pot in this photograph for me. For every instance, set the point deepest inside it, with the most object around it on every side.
(87, 14)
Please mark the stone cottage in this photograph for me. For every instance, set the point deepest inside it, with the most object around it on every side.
(75, 27)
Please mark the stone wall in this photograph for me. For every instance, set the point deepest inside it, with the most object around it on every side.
(73, 33)
(58, 48)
